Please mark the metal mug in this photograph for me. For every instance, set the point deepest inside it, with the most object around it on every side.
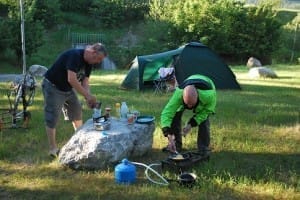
(130, 118)
(136, 114)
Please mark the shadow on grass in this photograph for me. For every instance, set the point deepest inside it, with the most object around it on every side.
(230, 168)
(285, 77)
(238, 167)
(216, 178)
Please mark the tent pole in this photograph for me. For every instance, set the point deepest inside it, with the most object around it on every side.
(23, 37)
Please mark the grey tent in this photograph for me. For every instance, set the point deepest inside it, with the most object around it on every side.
(192, 58)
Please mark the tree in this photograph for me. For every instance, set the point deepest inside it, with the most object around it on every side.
(10, 32)
(46, 11)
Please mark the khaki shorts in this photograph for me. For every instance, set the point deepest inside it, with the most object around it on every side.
(55, 99)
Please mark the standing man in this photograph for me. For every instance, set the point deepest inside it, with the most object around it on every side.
(196, 93)
(69, 73)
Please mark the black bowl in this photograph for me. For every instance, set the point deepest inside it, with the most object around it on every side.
(187, 179)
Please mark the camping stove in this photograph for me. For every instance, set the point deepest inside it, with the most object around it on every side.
(184, 162)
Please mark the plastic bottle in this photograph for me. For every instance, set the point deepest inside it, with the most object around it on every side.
(118, 111)
(124, 110)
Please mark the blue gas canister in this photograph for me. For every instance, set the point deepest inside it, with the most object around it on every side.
(125, 172)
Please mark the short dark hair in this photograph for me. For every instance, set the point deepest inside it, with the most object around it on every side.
(99, 47)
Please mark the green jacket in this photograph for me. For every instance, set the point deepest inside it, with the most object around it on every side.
(205, 106)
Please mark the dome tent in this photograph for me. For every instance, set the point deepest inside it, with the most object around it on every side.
(192, 58)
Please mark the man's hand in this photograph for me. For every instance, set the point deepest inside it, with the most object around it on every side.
(171, 144)
(91, 101)
(186, 129)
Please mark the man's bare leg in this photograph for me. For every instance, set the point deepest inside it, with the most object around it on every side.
(51, 132)
(77, 124)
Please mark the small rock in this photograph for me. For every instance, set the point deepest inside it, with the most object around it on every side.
(253, 62)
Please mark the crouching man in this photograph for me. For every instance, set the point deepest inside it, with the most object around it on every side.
(196, 93)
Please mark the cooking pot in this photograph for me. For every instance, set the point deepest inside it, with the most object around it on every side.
(102, 123)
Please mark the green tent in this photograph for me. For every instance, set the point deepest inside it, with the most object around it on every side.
(192, 58)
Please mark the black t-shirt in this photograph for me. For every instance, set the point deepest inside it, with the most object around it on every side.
(73, 60)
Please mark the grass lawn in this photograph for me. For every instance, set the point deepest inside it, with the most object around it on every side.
(255, 140)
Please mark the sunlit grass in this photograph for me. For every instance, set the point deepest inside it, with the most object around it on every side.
(255, 140)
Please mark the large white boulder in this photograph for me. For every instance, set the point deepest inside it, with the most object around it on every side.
(261, 72)
(92, 149)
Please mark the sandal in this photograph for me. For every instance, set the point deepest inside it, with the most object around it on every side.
(54, 153)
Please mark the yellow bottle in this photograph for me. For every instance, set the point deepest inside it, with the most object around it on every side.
(118, 111)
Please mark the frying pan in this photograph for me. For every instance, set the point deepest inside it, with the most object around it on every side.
(179, 157)
(184, 161)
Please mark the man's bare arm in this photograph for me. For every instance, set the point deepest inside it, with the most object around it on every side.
(83, 90)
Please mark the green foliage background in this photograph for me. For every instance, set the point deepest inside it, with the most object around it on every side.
(232, 29)
(116, 13)
(228, 27)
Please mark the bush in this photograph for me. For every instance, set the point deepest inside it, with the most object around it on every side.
(289, 49)
(5, 38)
(150, 37)
(112, 13)
(264, 32)
(81, 6)
(33, 37)
(46, 11)
(3, 9)
(226, 26)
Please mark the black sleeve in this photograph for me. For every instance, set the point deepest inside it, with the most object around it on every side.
(166, 131)
(73, 64)
(88, 70)
(193, 122)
